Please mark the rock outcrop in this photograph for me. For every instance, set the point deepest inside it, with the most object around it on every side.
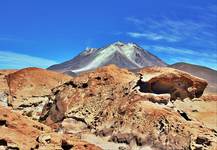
(113, 108)
(107, 103)
(179, 84)
(4, 89)
(202, 72)
(20, 133)
(29, 89)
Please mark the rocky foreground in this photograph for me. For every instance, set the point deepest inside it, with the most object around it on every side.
(109, 108)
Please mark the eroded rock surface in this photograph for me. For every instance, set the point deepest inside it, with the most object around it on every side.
(158, 108)
(29, 89)
(20, 133)
(4, 89)
(107, 103)
(179, 84)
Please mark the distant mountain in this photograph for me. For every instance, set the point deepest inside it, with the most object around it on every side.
(125, 55)
(203, 72)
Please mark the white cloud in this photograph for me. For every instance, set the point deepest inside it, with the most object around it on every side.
(173, 55)
(198, 30)
(11, 60)
(173, 30)
(195, 34)
(153, 36)
(181, 51)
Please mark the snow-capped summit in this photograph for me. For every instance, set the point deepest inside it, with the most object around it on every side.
(126, 55)
(118, 43)
(89, 51)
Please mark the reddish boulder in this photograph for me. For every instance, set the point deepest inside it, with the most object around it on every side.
(179, 84)
(29, 89)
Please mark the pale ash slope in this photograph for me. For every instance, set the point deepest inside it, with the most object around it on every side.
(128, 55)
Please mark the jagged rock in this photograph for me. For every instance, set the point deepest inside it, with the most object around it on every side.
(107, 103)
(44, 139)
(4, 89)
(111, 105)
(179, 84)
(3, 81)
(29, 89)
(157, 98)
(25, 134)
(110, 73)
(3, 99)
(74, 125)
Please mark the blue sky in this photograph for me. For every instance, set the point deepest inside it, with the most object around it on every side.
(41, 33)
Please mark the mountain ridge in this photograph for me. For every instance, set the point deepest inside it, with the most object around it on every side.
(125, 55)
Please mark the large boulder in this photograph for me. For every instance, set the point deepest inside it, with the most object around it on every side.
(179, 84)
(29, 89)
(107, 104)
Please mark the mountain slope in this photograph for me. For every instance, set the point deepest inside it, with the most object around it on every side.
(128, 55)
(203, 72)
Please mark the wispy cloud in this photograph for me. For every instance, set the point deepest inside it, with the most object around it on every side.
(173, 55)
(195, 30)
(173, 30)
(182, 51)
(190, 38)
(153, 36)
(11, 60)
(135, 20)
